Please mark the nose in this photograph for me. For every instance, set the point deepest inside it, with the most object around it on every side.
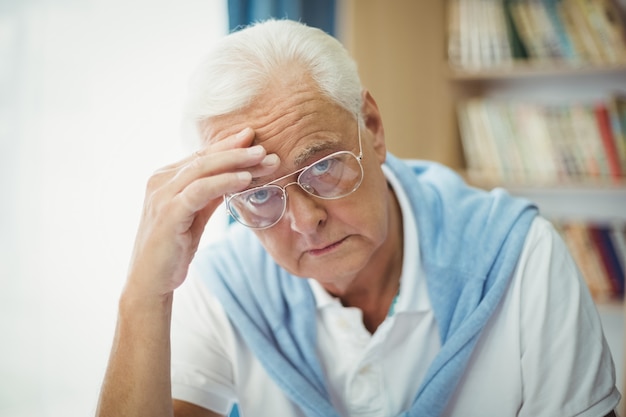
(304, 212)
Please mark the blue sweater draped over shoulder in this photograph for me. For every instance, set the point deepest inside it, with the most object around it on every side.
(470, 241)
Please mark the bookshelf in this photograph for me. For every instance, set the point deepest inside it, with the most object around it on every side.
(402, 49)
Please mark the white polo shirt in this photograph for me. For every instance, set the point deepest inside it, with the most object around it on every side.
(542, 353)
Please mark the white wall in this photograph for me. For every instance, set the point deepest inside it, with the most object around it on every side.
(90, 102)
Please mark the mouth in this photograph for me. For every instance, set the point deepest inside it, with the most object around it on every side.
(326, 249)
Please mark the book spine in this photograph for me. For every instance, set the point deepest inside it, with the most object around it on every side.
(499, 33)
(546, 31)
(579, 16)
(585, 253)
(520, 14)
(579, 52)
(608, 141)
(607, 27)
(607, 255)
(469, 142)
(567, 47)
(518, 49)
(454, 32)
(589, 143)
(618, 237)
(617, 112)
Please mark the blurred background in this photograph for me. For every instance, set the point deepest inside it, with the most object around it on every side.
(91, 94)
(90, 102)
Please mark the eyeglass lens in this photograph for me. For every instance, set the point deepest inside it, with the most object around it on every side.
(334, 176)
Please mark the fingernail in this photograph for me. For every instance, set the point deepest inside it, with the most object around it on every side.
(243, 133)
(256, 150)
(244, 176)
(270, 160)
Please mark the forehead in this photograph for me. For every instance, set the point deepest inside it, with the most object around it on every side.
(296, 123)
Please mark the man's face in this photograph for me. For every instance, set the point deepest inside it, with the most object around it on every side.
(330, 240)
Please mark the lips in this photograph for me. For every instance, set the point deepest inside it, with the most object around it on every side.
(326, 249)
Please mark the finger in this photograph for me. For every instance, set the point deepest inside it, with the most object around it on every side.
(243, 139)
(234, 160)
(208, 191)
(268, 165)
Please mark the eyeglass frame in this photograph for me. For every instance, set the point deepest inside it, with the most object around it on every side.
(300, 171)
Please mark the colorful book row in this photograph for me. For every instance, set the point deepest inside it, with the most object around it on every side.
(495, 33)
(600, 253)
(538, 144)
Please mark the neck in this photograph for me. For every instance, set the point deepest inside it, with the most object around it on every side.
(377, 285)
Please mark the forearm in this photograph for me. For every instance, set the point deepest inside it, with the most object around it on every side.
(137, 381)
(180, 198)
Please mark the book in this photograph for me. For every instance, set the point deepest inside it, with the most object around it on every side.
(600, 235)
(518, 50)
(585, 254)
(521, 14)
(544, 164)
(577, 44)
(486, 40)
(453, 16)
(507, 141)
(576, 159)
(558, 132)
(616, 105)
(471, 31)
(547, 29)
(587, 137)
(478, 146)
(469, 142)
(608, 141)
(577, 14)
(498, 33)
(519, 144)
(491, 160)
(565, 37)
(605, 19)
(618, 237)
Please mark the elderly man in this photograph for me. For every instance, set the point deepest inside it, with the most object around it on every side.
(353, 283)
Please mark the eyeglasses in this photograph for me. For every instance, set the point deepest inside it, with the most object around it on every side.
(334, 176)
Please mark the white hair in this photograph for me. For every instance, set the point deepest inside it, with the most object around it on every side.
(243, 63)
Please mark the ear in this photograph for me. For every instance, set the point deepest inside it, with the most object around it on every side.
(374, 125)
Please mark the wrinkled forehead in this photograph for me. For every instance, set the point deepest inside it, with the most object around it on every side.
(301, 120)
(288, 105)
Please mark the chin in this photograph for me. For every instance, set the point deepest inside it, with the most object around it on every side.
(339, 273)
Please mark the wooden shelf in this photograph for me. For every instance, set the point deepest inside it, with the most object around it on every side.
(604, 185)
(530, 69)
(598, 201)
(598, 204)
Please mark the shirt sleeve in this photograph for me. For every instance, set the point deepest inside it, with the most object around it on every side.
(202, 349)
(567, 369)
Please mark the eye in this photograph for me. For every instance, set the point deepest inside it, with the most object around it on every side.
(322, 167)
(260, 196)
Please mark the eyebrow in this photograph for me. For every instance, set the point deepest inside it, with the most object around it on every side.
(302, 157)
(305, 155)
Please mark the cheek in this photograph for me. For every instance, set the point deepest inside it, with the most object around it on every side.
(372, 196)
(366, 212)
(277, 243)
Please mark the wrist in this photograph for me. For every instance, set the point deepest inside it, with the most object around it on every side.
(135, 300)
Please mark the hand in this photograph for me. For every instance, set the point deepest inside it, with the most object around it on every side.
(180, 199)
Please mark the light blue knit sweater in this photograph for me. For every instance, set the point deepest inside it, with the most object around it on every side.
(470, 241)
